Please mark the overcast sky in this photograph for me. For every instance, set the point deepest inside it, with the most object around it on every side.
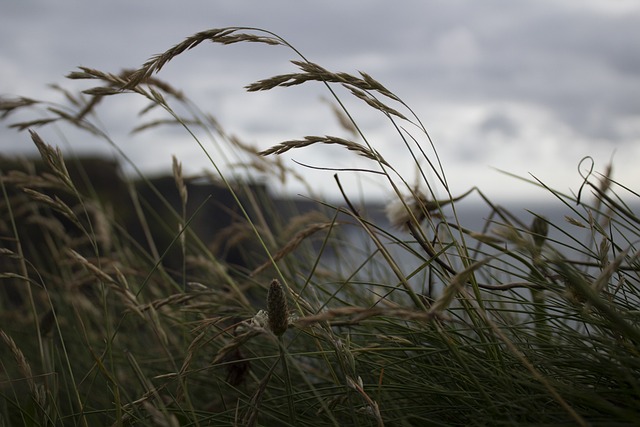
(530, 87)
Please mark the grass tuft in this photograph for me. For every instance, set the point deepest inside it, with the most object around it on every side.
(144, 301)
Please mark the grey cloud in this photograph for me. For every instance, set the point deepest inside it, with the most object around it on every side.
(499, 123)
(567, 58)
(578, 65)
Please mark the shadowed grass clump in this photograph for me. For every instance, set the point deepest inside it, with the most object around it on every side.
(126, 308)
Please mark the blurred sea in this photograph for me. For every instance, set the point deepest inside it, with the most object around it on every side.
(565, 235)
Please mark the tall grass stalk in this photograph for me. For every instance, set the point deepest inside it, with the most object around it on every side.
(327, 315)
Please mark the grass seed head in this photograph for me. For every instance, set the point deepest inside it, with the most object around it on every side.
(277, 308)
(412, 208)
(539, 230)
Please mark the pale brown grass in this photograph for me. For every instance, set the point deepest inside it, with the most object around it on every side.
(285, 146)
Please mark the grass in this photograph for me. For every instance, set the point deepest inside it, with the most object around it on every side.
(511, 324)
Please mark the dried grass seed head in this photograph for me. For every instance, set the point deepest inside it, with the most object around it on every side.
(404, 210)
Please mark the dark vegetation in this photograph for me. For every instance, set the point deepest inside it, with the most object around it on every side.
(181, 301)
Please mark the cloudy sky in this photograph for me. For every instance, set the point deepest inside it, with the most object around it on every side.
(529, 86)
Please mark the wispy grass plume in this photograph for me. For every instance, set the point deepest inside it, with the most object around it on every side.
(206, 300)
